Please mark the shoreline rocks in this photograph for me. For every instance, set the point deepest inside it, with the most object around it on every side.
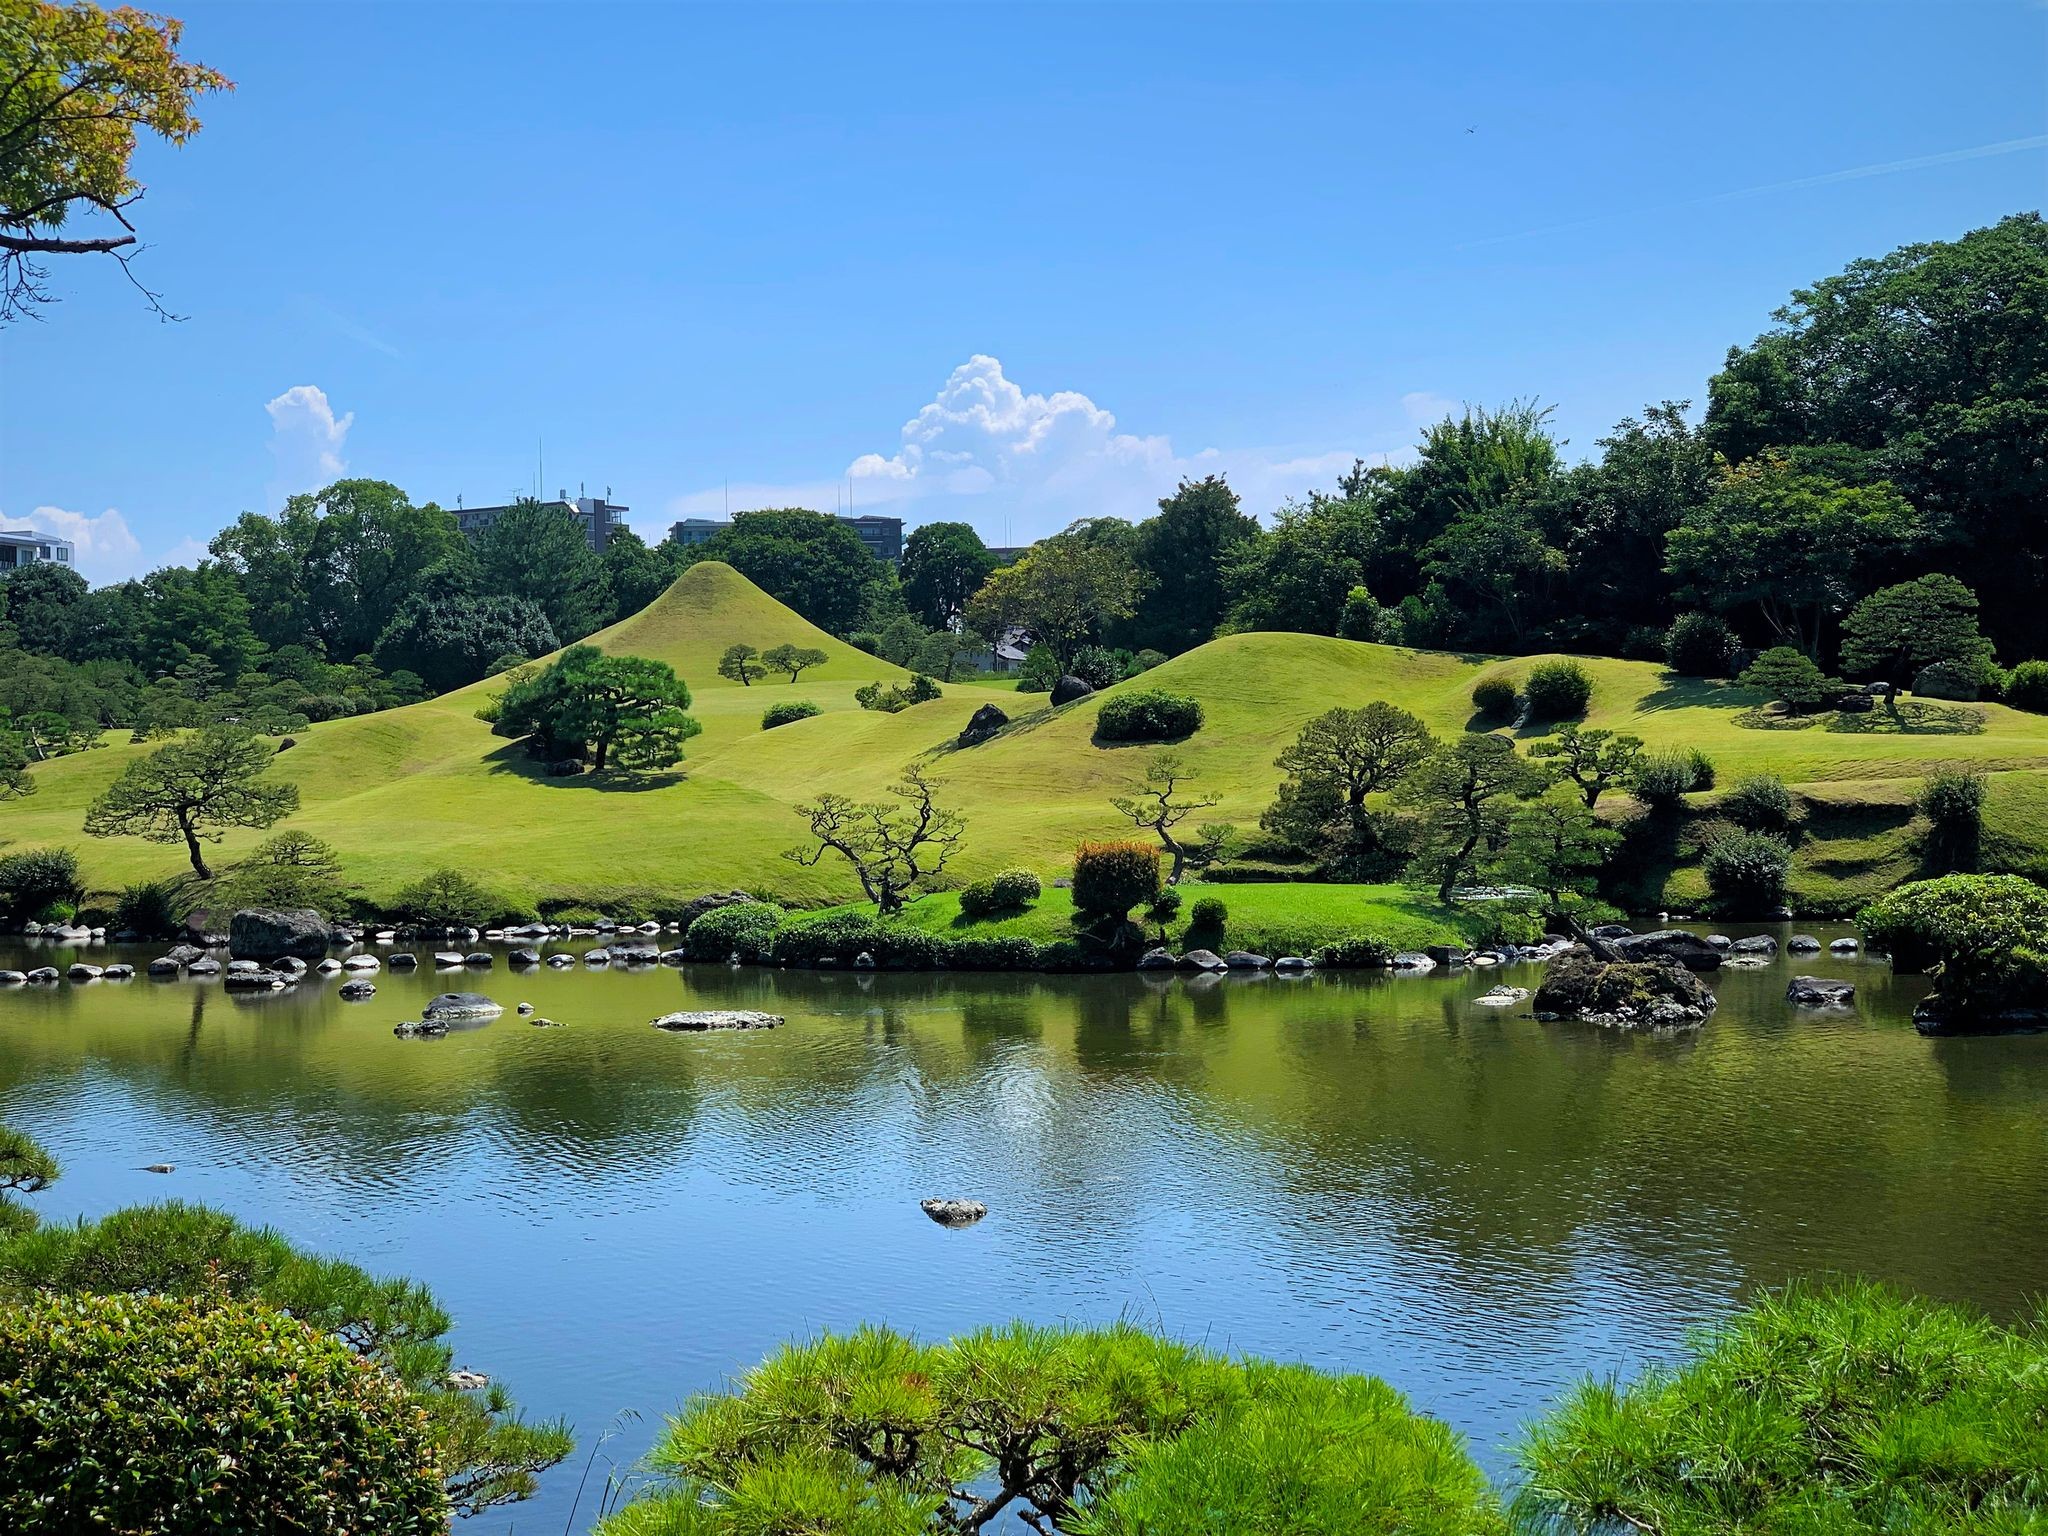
(1687, 949)
(1819, 992)
(1652, 995)
(270, 935)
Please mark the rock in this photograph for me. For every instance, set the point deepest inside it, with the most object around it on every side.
(1688, 949)
(42, 975)
(1410, 960)
(183, 955)
(1156, 960)
(1203, 960)
(635, 954)
(984, 723)
(403, 962)
(864, 961)
(1819, 992)
(597, 957)
(158, 1168)
(953, 1213)
(1933, 1017)
(710, 902)
(1755, 944)
(358, 990)
(293, 964)
(1245, 960)
(467, 1381)
(524, 1009)
(479, 960)
(1625, 994)
(1720, 941)
(450, 1006)
(650, 926)
(1070, 688)
(329, 967)
(258, 980)
(420, 1029)
(560, 962)
(717, 1018)
(1613, 931)
(266, 935)
(544, 1023)
(1502, 997)
(1446, 954)
(12, 978)
(1802, 944)
(1486, 958)
(362, 963)
(447, 959)
(164, 965)
(523, 958)
(243, 967)
(675, 956)
(117, 972)
(83, 972)
(205, 965)
(1294, 963)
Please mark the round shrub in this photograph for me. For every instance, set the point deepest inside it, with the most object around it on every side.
(1010, 891)
(1165, 907)
(1760, 803)
(1148, 715)
(1357, 951)
(1983, 931)
(1558, 689)
(1953, 803)
(744, 928)
(1746, 871)
(1112, 878)
(36, 879)
(446, 896)
(1494, 696)
(1949, 680)
(787, 712)
(2026, 687)
(1209, 915)
(1699, 645)
(179, 1417)
(155, 909)
(1662, 779)
(1703, 774)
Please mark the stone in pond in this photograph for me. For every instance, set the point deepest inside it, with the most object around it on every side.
(1819, 992)
(953, 1213)
(717, 1018)
(460, 1005)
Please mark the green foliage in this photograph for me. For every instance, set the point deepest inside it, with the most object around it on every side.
(1556, 845)
(1164, 908)
(1357, 951)
(787, 712)
(290, 869)
(1592, 761)
(894, 849)
(155, 909)
(1161, 802)
(1558, 689)
(1760, 802)
(1495, 696)
(901, 696)
(793, 659)
(840, 938)
(1952, 801)
(1112, 878)
(1746, 872)
(1461, 795)
(944, 564)
(741, 664)
(181, 1416)
(745, 928)
(1964, 681)
(194, 790)
(446, 896)
(1981, 935)
(1699, 645)
(808, 560)
(1041, 669)
(627, 711)
(1896, 631)
(1184, 553)
(1790, 676)
(1843, 1409)
(1148, 715)
(1300, 574)
(34, 878)
(1012, 890)
(2026, 687)
(1061, 591)
(537, 551)
(876, 1434)
(1209, 915)
(1364, 618)
(452, 639)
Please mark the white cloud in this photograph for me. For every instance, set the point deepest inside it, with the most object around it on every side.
(1425, 408)
(1021, 465)
(307, 440)
(106, 549)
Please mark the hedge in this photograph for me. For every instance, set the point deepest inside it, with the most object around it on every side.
(1148, 715)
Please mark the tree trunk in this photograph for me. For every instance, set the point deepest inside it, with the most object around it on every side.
(192, 848)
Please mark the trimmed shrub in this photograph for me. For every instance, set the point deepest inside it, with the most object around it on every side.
(1164, 907)
(1746, 871)
(1558, 690)
(1357, 951)
(1953, 803)
(1494, 696)
(446, 896)
(788, 712)
(1209, 915)
(1982, 931)
(1112, 878)
(176, 1416)
(155, 909)
(1760, 803)
(1699, 645)
(844, 936)
(1364, 618)
(2026, 687)
(1148, 715)
(743, 928)
(36, 879)
(1662, 779)
(1958, 680)
(1010, 891)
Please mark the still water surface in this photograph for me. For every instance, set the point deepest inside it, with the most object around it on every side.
(1367, 1173)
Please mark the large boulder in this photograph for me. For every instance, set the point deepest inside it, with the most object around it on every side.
(1819, 992)
(460, 1005)
(985, 722)
(1070, 688)
(1203, 960)
(1688, 949)
(717, 1018)
(1755, 944)
(258, 935)
(1623, 994)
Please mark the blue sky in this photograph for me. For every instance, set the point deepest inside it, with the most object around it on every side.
(1011, 264)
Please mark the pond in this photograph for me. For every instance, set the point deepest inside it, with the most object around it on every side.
(1369, 1173)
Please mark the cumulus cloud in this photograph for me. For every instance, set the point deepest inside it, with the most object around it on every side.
(106, 549)
(1019, 465)
(307, 440)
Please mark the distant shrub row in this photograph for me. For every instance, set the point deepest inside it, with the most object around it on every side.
(761, 934)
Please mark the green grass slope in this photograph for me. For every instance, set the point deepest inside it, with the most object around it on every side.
(406, 791)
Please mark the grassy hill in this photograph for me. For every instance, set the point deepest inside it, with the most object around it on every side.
(408, 790)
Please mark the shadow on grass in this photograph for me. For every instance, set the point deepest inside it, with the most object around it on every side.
(512, 759)
(1912, 718)
(1676, 692)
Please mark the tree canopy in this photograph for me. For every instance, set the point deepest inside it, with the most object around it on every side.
(194, 790)
(809, 560)
(625, 711)
(943, 566)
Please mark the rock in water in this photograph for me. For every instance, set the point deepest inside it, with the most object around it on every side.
(1202, 960)
(357, 991)
(986, 721)
(953, 1213)
(460, 1005)
(1624, 994)
(262, 935)
(718, 1018)
(1688, 949)
(1818, 992)
(159, 1167)
(467, 1381)
(1502, 997)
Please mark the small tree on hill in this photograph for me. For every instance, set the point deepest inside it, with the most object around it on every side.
(1161, 801)
(1462, 796)
(1898, 630)
(627, 711)
(194, 790)
(1595, 761)
(792, 659)
(893, 848)
(1790, 677)
(1556, 844)
(1349, 754)
(741, 664)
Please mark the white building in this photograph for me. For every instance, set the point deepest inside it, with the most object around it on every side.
(24, 546)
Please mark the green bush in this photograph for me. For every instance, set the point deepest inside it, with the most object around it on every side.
(844, 936)
(1844, 1410)
(155, 909)
(1558, 689)
(1209, 915)
(1041, 669)
(1703, 772)
(1662, 779)
(2026, 687)
(1010, 891)
(1148, 715)
(1746, 872)
(446, 896)
(1953, 803)
(1112, 878)
(1791, 677)
(1164, 907)
(919, 690)
(745, 928)
(1760, 803)
(1980, 934)
(292, 869)
(1357, 951)
(178, 1417)
(1699, 645)
(1958, 680)
(1495, 697)
(36, 879)
(788, 712)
